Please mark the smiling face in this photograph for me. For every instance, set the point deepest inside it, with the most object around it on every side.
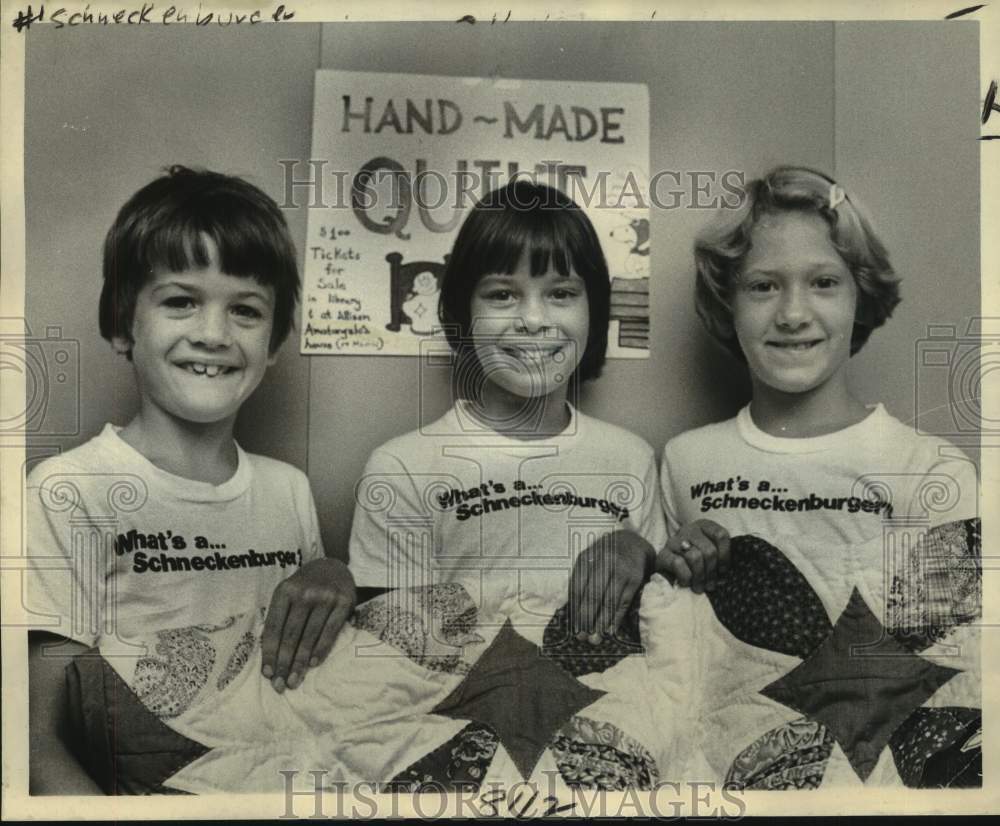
(794, 306)
(529, 332)
(200, 342)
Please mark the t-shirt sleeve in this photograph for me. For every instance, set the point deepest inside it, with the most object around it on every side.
(65, 587)
(670, 511)
(650, 524)
(309, 520)
(392, 529)
(949, 491)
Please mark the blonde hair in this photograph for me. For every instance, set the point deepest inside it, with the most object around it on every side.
(721, 249)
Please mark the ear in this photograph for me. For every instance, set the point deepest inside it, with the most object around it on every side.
(272, 358)
(121, 345)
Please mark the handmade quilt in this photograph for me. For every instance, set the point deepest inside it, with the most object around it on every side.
(813, 666)
(806, 667)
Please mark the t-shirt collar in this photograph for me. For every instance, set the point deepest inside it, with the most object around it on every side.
(843, 439)
(177, 486)
(467, 423)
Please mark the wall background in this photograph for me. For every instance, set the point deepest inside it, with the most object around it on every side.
(890, 109)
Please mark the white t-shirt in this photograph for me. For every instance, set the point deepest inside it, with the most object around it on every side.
(120, 547)
(839, 519)
(840, 487)
(456, 501)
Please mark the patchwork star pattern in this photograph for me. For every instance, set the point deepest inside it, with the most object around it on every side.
(520, 695)
(861, 684)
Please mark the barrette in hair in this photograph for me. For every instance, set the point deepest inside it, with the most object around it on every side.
(837, 195)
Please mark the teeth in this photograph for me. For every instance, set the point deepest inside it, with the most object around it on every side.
(209, 370)
(531, 353)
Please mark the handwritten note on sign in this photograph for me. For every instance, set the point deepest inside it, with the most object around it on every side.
(398, 160)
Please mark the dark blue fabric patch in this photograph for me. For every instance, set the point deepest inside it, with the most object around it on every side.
(124, 746)
(765, 601)
(939, 748)
(579, 657)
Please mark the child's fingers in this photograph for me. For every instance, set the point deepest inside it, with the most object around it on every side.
(609, 606)
(710, 560)
(290, 636)
(694, 557)
(603, 603)
(720, 536)
(622, 602)
(307, 644)
(331, 630)
(274, 625)
(626, 581)
(589, 605)
(673, 566)
(577, 583)
(582, 588)
(589, 608)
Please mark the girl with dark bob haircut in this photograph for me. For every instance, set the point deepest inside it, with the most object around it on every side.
(721, 250)
(547, 229)
(502, 479)
(164, 226)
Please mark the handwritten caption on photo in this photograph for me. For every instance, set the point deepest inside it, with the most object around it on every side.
(61, 17)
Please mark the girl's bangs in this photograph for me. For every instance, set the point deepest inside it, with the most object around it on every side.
(526, 237)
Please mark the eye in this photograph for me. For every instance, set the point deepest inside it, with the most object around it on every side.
(761, 286)
(248, 311)
(178, 302)
(499, 295)
(564, 293)
(826, 282)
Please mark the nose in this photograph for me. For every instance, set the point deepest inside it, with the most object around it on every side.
(532, 314)
(213, 328)
(793, 309)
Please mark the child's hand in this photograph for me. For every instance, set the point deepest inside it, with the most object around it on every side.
(307, 612)
(696, 555)
(604, 581)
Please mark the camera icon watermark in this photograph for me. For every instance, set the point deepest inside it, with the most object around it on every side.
(50, 366)
(530, 370)
(951, 369)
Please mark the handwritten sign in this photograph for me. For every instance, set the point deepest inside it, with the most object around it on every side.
(397, 161)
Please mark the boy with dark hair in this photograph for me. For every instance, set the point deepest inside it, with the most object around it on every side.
(167, 523)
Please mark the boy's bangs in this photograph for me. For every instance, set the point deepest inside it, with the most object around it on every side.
(180, 247)
(176, 248)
